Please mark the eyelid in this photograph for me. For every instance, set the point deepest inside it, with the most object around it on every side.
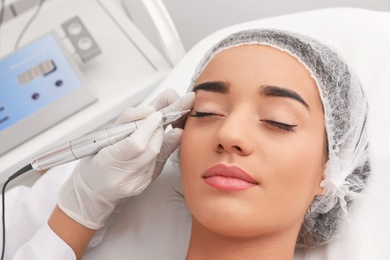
(272, 123)
(280, 125)
(203, 114)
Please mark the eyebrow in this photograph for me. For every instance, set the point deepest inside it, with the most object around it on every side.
(268, 91)
(213, 86)
(274, 91)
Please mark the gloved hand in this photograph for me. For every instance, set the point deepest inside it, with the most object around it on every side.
(126, 168)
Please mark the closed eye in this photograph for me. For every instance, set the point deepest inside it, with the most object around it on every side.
(203, 114)
(278, 125)
(281, 126)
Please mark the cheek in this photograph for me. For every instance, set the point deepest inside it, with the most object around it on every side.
(301, 164)
(185, 145)
(195, 141)
(189, 155)
(196, 156)
(190, 144)
(191, 149)
(291, 178)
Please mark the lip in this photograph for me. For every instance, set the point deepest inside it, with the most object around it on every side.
(231, 178)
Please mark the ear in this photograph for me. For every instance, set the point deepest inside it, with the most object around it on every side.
(319, 190)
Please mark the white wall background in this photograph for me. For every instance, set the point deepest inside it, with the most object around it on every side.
(195, 19)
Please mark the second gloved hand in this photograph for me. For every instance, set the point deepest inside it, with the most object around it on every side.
(124, 169)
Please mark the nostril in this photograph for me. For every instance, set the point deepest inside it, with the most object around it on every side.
(237, 148)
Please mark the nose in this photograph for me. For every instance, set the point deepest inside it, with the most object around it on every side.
(234, 136)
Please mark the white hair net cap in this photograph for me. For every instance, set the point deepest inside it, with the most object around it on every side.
(345, 113)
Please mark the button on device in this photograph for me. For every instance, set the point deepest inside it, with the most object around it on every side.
(85, 43)
(81, 39)
(59, 83)
(75, 28)
(3, 119)
(35, 96)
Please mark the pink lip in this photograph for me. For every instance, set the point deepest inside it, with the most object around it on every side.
(225, 177)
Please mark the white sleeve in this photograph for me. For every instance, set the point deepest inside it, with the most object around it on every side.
(45, 245)
(27, 210)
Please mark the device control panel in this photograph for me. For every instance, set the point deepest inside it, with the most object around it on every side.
(40, 86)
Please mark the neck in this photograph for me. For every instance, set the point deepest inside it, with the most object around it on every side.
(205, 244)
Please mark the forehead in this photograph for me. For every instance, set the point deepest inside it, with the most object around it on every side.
(256, 60)
(257, 65)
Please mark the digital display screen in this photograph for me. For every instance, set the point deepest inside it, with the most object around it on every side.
(33, 77)
(42, 69)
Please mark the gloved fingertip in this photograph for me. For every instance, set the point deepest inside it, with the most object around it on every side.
(150, 109)
(175, 132)
(151, 123)
(171, 94)
(189, 98)
(172, 140)
(166, 98)
(134, 113)
(184, 103)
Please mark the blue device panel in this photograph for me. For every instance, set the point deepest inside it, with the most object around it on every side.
(34, 77)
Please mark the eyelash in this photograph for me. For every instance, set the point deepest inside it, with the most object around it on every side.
(281, 126)
(202, 114)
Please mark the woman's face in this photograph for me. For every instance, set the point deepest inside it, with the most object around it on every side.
(252, 153)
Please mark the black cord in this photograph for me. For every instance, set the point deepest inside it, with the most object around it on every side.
(16, 174)
(28, 24)
(3, 217)
(2, 13)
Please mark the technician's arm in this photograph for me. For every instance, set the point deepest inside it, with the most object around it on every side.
(71, 232)
(116, 173)
(45, 245)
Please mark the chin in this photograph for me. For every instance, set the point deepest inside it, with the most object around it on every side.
(227, 221)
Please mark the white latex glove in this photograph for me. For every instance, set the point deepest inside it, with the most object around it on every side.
(123, 169)
(166, 102)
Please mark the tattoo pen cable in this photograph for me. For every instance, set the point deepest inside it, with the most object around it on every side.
(16, 174)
